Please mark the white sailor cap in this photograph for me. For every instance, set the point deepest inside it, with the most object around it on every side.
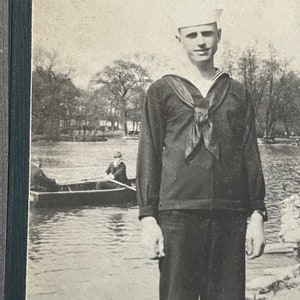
(193, 13)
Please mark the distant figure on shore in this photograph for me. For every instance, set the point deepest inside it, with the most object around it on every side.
(39, 181)
(269, 139)
(115, 171)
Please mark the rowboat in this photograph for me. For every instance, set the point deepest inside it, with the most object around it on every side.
(81, 194)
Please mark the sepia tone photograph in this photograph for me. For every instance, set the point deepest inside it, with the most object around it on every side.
(165, 150)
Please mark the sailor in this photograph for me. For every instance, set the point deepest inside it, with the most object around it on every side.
(199, 172)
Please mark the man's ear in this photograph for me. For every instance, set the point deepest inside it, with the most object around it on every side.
(219, 32)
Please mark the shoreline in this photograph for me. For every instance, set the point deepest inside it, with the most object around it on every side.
(276, 283)
(279, 141)
(120, 135)
(281, 283)
(88, 137)
(116, 134)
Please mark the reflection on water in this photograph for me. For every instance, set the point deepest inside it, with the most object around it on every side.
(94, 252)
(281, 166)
(91, 253)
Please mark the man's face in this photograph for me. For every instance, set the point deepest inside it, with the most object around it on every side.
(117, 160)
(200, 42)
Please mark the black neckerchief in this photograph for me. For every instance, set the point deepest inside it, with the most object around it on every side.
(202, 129)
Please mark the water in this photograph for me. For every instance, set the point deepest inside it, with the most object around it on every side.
(94, 252)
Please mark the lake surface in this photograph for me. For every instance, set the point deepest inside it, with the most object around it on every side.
(94, 252)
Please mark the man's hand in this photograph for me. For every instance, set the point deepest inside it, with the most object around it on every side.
(152, 239)
(255, 237)
(110, 176)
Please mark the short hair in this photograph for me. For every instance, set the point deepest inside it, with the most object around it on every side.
(117, 154)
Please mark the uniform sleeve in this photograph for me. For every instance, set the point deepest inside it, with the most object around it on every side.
(120, 170)
(149, 162)
(256, 181)
(108, 169)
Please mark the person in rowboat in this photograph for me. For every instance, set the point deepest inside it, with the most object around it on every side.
(199, 172)
(116, 171)
(39, 181)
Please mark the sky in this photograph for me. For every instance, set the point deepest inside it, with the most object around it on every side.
(90, 34)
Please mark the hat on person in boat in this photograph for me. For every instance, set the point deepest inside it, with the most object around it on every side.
(117, 154)
(193, 13)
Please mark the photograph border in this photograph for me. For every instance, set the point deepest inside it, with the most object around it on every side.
(15, 61)
(4, 133)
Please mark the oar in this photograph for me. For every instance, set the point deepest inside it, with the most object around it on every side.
(80, 180)
(123, 184)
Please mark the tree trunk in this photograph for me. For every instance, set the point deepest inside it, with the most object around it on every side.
(112, 118)
(52, 129)
(125, 125)
(114, 121)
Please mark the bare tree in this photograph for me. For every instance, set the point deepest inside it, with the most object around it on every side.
(290, 110)
(230, 59)
(153, 63)
(122, 81)
(252, 75)
(53, 93)
(275, 100)
(273, 87)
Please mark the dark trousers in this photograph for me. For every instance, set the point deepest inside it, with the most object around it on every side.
(205, 256)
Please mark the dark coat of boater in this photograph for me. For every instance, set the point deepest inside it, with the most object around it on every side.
(39, 181)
